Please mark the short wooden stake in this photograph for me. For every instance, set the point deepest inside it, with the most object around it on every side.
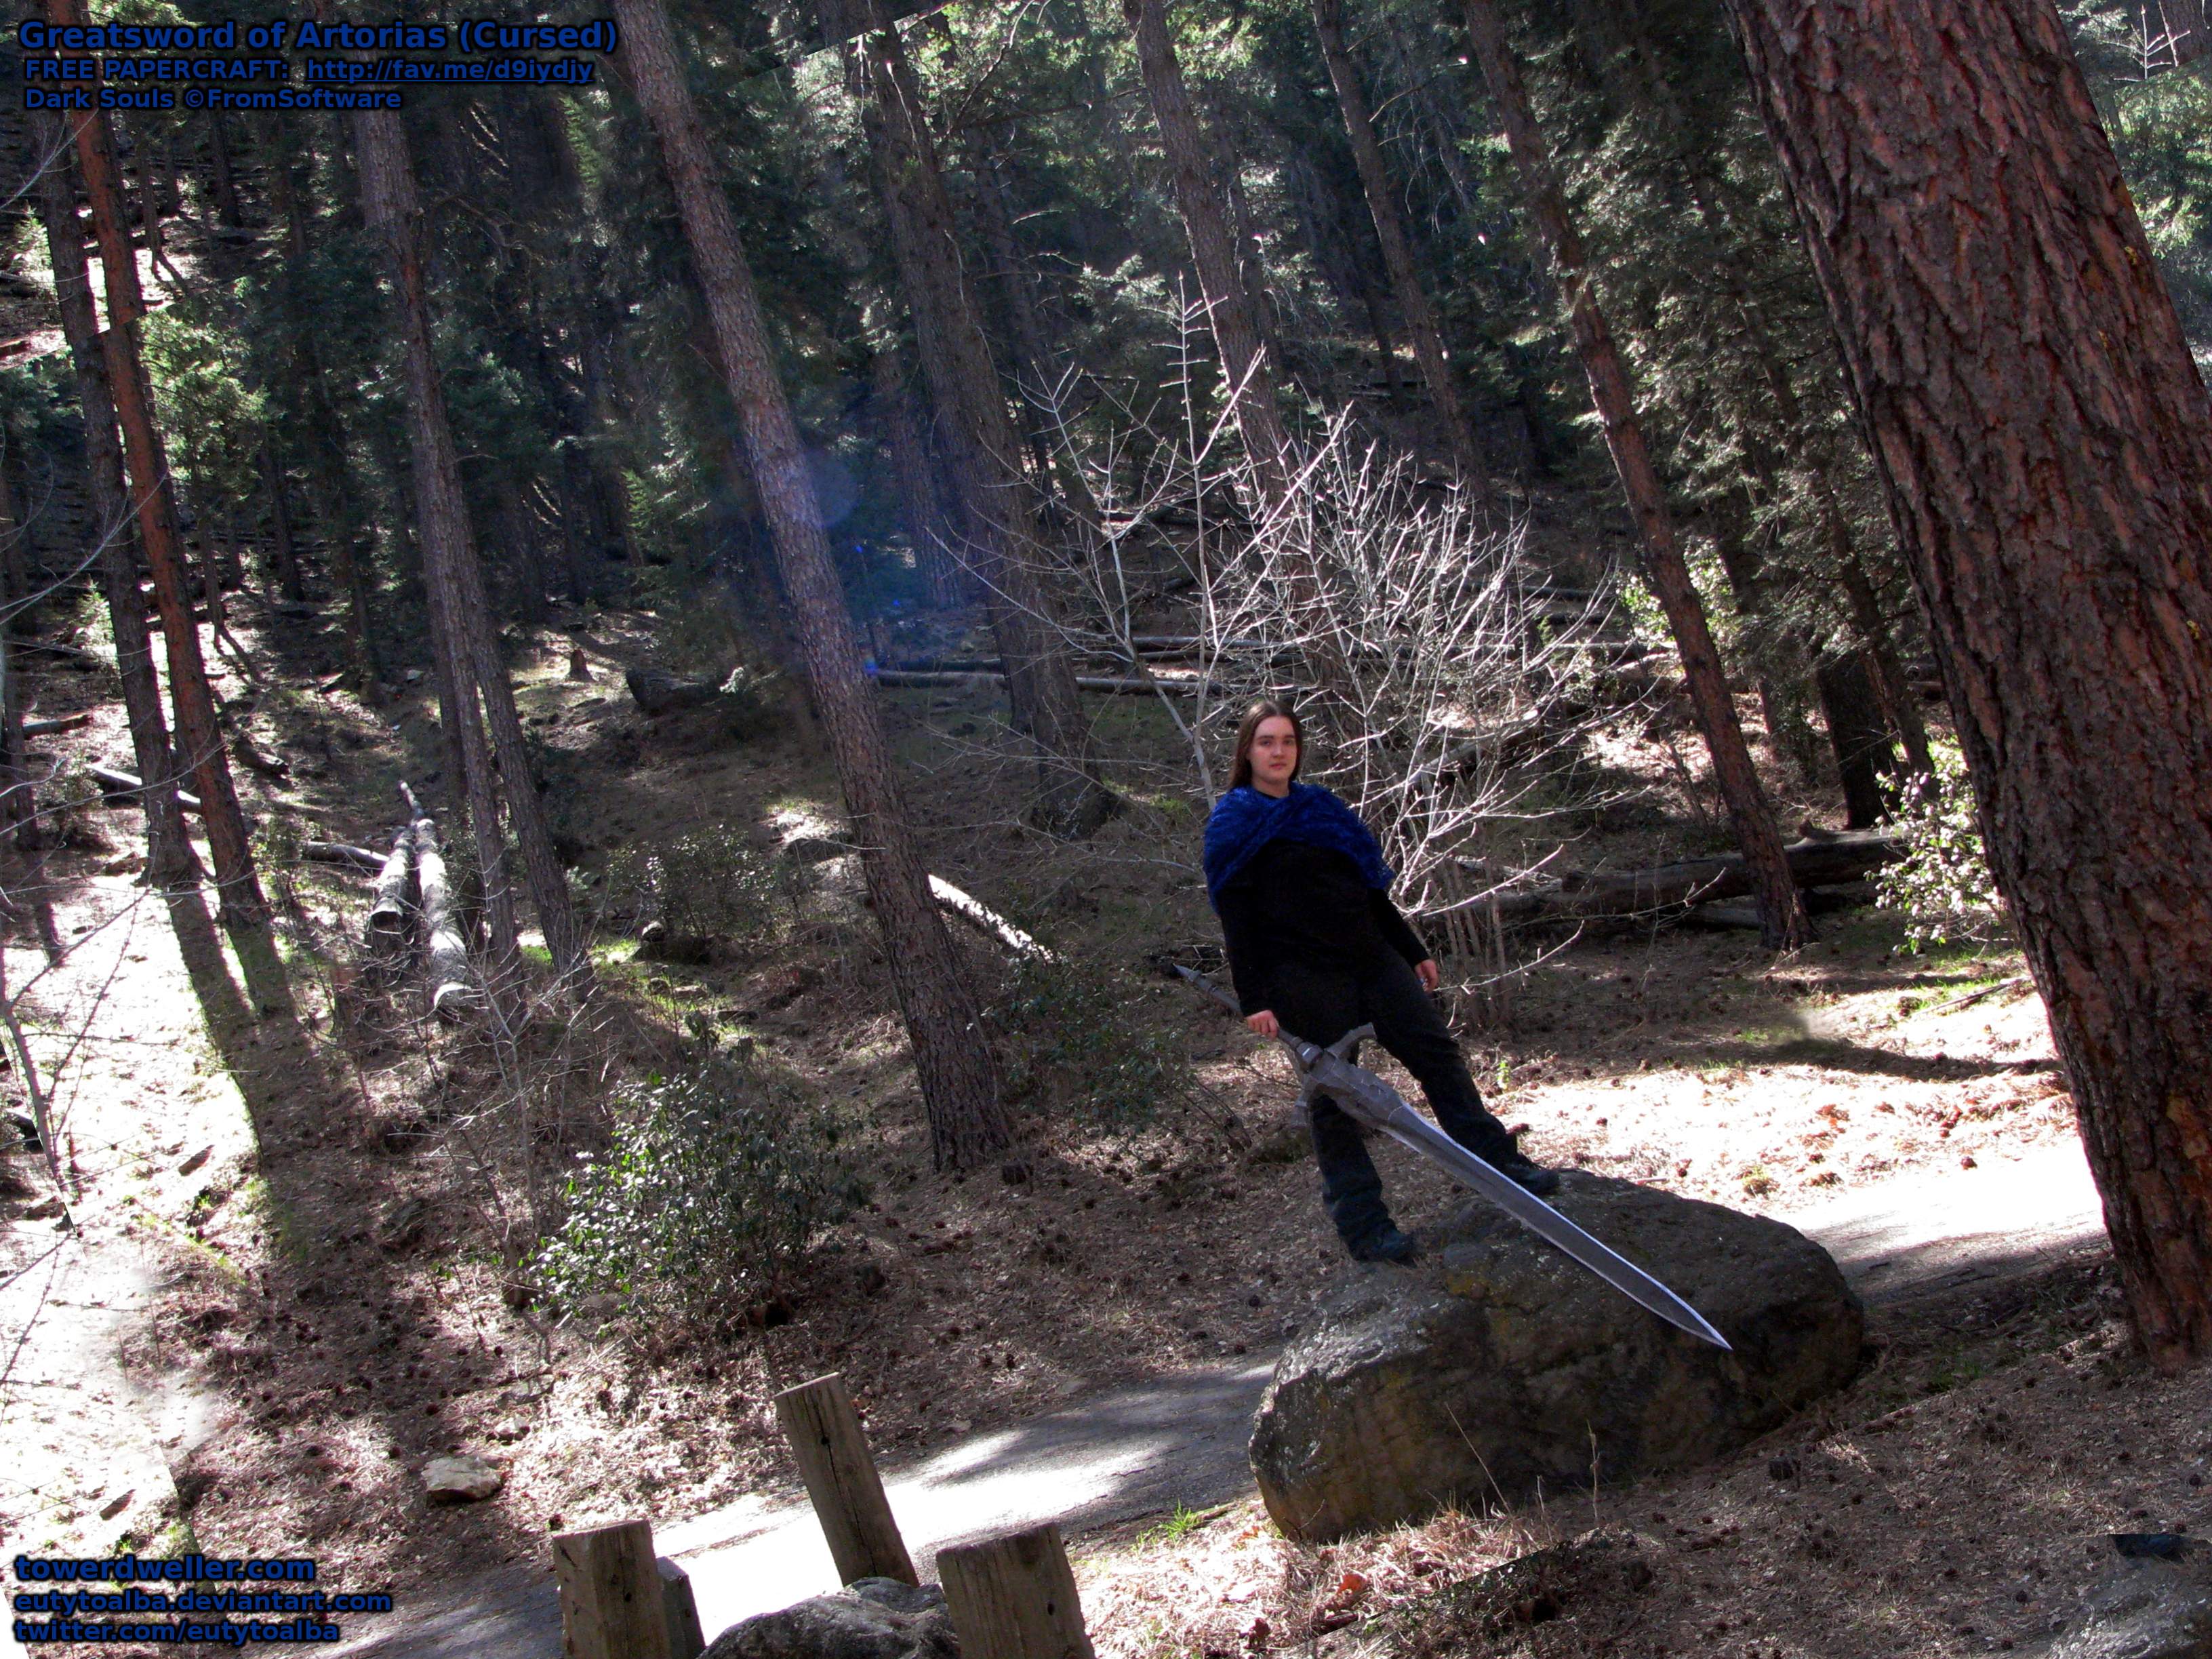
(825, 1437)
(685, 1639)
(1013, 1597)
(612, 1606)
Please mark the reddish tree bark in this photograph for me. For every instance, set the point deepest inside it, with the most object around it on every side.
(1413, 302)
(960, 1079)
(2045, 442)
(1783, 923)
(171, 864)
(243, 910)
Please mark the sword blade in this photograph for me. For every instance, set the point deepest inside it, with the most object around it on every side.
(1369, 1097)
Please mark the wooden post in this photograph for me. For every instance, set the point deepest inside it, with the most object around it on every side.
(685, 1639)
(1013, 1597)
(612, 1605)
(825, 1437)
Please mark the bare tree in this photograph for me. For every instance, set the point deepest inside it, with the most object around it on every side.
(2045, 441)
(968, 1121)
(1783, 923)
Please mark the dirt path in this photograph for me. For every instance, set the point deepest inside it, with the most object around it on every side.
(1180, 1442)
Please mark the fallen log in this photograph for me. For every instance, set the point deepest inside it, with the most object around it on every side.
(121, 789)
(337, 852)
(904, 679)
(47, 728)
(453, 992)
(1823, 861)
(74, 654)
(658, 693)
(251, 757)
(395, 892)
(978, 915)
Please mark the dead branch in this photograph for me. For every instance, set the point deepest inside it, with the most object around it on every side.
(978, 915)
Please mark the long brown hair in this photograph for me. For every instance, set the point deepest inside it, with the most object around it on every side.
(1267, 708)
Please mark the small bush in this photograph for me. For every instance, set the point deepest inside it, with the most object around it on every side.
(1072, 1043)
(717, 1180)
(705, 884)
(1942, 887)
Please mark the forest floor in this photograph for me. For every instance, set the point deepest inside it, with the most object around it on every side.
(319, 1222)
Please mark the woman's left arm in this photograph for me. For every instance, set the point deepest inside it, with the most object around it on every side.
(1401, 938)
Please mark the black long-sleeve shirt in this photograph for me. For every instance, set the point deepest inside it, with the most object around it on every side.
(1298, 902)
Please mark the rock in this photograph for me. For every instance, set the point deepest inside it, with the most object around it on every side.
(1497, 1365)
(2152, 1606)
(461, 1479)
(869, 1619)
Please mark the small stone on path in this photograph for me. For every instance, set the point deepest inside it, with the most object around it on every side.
(461, 1479)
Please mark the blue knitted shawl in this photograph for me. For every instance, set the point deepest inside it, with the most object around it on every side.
(1244, 821)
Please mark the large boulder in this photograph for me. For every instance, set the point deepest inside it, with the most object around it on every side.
(1497, 1367)
(2156, 1604)
(869, 1619)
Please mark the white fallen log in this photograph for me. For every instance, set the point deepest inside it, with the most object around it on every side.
(452, 988)
(978, 915)
(389, 911)
(337, 852)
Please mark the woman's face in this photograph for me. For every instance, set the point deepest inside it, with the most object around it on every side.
(1274, 754)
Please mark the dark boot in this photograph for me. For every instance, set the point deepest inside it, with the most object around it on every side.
(1387, 1244)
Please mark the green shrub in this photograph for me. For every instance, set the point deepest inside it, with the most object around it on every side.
(1072, 1042)
(710, 883)
(1942, 887)
(717, 1180)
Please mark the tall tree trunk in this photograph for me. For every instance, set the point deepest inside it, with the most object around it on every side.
(960, 1079)
(1858, 735)
(18, 798)
(926, 511)
(1194, 168)
(283, 554)
(244, 911)
(1725, 243)
(392, 213)
(1413, 302)
(19, 804)
(1034, 377)
(2045, 442)
(171, 864)
(1783, 923)
(336, 510)
(149, 206)
(227, 206)
(15, 551)
(999, 499)
(459, 609)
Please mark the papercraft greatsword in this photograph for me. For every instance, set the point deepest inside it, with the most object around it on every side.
(1371, 1101)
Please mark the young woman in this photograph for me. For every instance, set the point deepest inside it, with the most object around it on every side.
(1316, 948)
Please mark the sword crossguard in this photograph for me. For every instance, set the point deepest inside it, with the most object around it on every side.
(1309, 1089)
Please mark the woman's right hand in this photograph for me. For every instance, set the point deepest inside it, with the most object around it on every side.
(1264, 1023)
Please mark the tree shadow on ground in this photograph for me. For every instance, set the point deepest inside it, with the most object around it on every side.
(335, 1318)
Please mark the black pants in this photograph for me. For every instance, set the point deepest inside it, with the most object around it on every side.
(1321, 1004)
